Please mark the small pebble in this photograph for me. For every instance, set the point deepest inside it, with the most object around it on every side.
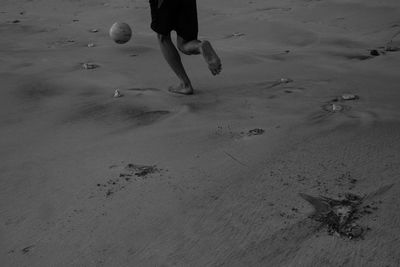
(336, 107)
(285, 80)
(349, 97)
(89, 66)
(117, 93)
(237, 34)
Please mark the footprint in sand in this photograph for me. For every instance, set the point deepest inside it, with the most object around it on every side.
(244, 135)
(146, 89)
(35, 91)
(149, 91)
(274, 8)
(350, 56)
(341, 112)
(116, 113)
(328, 112)
(291, 90)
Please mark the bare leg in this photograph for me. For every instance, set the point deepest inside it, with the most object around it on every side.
(173, 58)
(201, 47)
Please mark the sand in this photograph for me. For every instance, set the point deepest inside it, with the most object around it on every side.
(217, 195)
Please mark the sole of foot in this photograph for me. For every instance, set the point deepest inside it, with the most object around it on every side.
(211, 58)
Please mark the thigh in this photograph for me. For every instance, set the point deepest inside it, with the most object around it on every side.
(187, 23)
(163, 17)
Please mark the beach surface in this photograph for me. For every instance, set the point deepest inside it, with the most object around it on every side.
(212, 179)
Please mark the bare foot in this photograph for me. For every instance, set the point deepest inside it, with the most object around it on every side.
(181, 89)
(211, 58)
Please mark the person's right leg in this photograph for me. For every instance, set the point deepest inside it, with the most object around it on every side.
(173, 59)
(196, 47)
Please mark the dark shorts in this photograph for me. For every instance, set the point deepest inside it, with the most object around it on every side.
(175, 15)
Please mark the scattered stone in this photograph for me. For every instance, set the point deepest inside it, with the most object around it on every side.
(256, 131)
(89, 66)
(235, 34)
(117, 94)
(279, 82)
(94, 30)
(238, 34)
(349, 97)
(336, 107)
(374, 52)
(91, 45)
(285, 80)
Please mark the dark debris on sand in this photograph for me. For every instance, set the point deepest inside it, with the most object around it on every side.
(141, 170)
(131, 173)
(27, 249)
(90, 66)
(374, 53)
(345, 97)
(256, 131)
(340, 215)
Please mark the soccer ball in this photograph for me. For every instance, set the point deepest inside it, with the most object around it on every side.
(120, 32)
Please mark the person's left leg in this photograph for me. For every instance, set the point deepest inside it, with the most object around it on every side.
(173, 59)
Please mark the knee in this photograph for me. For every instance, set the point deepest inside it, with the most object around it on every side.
(183, 49)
